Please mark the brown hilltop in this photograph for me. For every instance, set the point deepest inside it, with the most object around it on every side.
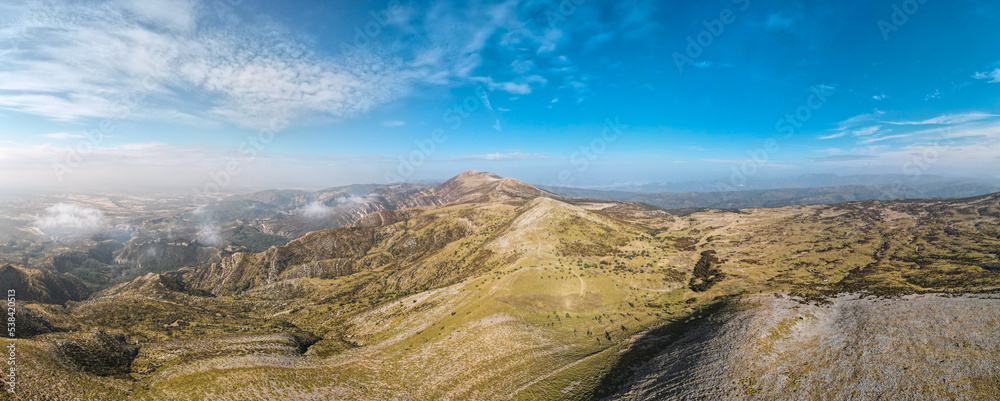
(476, 186)
(473, 204)
(484, 187)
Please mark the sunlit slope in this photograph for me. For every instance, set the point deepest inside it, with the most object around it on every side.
(508, 301)
(506, 293)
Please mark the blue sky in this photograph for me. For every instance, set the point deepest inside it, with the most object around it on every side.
(578, 92)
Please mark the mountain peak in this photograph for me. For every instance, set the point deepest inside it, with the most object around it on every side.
(473, 175)
(474, 184)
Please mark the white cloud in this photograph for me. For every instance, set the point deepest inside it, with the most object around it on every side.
(319, 209)
(834, 135)
(857, 125)
(63, 218)
(947, 119)
(175, 15)
(512, 156)
(865, 131)
(116, 59)
(517, 89)
(520, 86)
(316, 210)
(882, 138)
(865, 125)
(160, 58)
(536, 79)
(992, 76)
(63, 136)
(208, 234)
(861, 119)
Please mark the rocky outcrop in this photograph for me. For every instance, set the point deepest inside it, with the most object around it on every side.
(378, 219)
(100, 353)
(31, 322)
(149, 285)
(326, 253)
(164, 254)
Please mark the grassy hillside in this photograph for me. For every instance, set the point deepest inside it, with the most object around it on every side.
(509, 292)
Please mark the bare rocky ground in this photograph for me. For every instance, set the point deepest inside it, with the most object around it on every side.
(920, 347)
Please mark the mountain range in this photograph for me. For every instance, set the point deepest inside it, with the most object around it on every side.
(485, 287)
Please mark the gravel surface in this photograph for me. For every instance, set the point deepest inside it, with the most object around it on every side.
(921, 347)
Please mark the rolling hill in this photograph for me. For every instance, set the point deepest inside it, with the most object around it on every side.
(486, 287)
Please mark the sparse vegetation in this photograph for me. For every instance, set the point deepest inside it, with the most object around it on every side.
(521, 295)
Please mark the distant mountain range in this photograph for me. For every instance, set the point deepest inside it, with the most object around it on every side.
(778, 197)
(803, 181)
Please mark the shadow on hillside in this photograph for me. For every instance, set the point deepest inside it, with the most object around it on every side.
(684, 341)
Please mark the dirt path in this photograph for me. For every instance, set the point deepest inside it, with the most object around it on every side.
(583, 285)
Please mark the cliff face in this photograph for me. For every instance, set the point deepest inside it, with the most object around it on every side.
(160, 255)
(326, 253)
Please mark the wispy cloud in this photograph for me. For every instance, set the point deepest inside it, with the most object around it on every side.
(866, 141)
(865, 125)
(834, 135)
(859, 125)
(947, 119)
(63, 136)
(992, 76)
(861, 119)
(511, 156)
(393, 123)
(842, 158)
(866, 131)
(77, 61)
(82, 60)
